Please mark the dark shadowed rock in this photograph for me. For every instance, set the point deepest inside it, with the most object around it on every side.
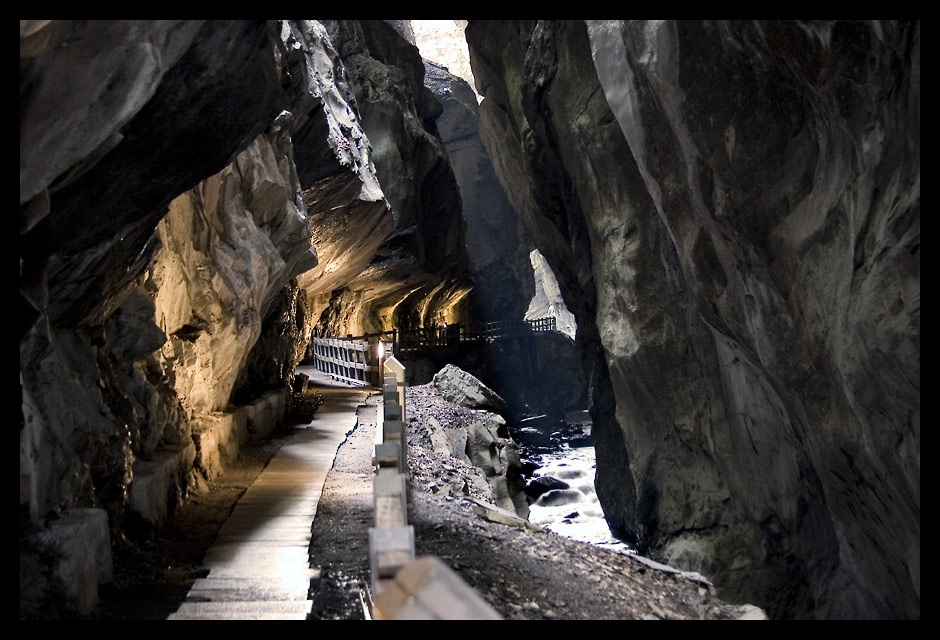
(543, 484)
(732, 210)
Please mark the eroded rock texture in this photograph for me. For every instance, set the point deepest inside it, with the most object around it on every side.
(229, 248)
(117, 120)
(538, 374)
(178, 181)
(732, 210)
(417, 275)
(497, 242)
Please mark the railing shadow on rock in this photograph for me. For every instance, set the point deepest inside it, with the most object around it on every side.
(403, 586)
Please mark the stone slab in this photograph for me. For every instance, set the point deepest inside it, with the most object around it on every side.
(260, 561)
(249, 593)
(257, 610)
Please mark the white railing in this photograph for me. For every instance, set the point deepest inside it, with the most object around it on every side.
(354, 362)
(406, 587)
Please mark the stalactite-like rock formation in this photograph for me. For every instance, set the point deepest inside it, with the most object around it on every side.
(735, 209)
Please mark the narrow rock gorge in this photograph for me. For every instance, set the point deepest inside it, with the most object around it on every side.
(729, 210)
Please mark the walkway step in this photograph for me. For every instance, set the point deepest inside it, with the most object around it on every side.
(250, 589)
(257, 610)
(259, 566)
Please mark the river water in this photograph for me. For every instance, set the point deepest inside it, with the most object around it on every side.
(573, 512)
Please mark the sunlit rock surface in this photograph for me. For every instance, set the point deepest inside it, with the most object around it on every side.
(547, 301)
(443, 42)
(417, 276)
(734, 209)
(348, 212)
(228, 248)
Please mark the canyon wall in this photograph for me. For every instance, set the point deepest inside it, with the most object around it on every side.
(497, 243)
(733, 212)
(417, 276)
(194, 194)
(538, 374)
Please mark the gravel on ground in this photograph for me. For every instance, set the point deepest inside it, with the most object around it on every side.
(523, 573)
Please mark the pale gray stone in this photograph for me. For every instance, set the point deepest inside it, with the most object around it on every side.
(459, 387)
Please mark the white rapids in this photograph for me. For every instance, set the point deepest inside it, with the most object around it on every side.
(574, 512)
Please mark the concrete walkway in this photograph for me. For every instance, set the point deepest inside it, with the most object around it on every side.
(259, 566)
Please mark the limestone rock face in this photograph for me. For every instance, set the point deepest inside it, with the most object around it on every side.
(229, 248)
(158, 116)
(117, 120)
(192, 194)
(417, 275)
(497, 243)
(461, 388)
(442, 42)
(78, 98)
(734, 208)
(71, 271)
(547, 301)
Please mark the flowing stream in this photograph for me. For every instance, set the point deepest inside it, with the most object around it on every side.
(575, 511)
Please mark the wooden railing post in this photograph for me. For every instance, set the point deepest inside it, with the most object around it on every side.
(391, 540)
(406, 587)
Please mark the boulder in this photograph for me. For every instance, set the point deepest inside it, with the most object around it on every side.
(532, 437)
(75, 548)
(494, 513)
(544, 484)
(459, 387)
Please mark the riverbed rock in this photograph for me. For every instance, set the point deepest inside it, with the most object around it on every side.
(543, 484)
(459, 387)
(472, 437)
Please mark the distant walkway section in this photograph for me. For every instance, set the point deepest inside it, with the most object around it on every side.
(258, 568)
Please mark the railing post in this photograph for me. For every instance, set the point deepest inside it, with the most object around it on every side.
(391, 540)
